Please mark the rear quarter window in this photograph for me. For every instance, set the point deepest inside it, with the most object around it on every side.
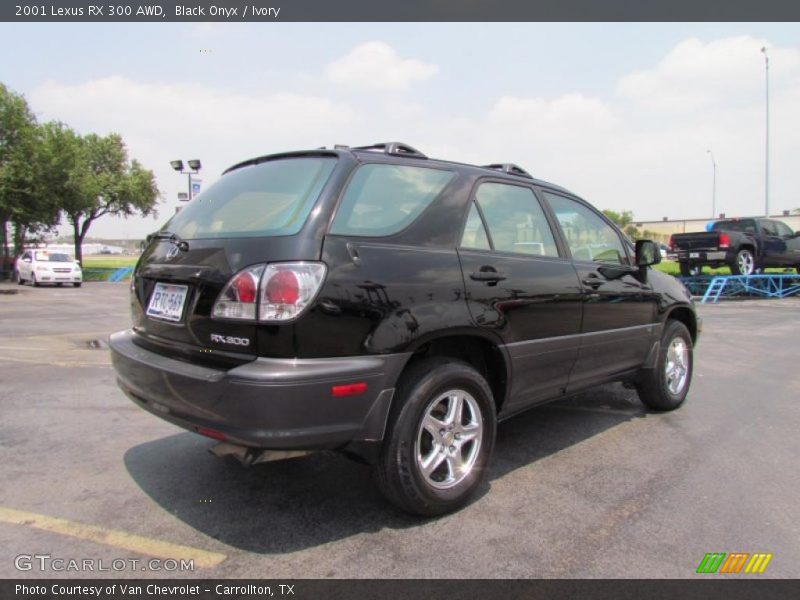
(382, 200)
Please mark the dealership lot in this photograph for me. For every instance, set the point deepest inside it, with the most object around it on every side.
(592, 486)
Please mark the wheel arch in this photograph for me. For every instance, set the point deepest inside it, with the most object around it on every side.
(475, 347)
(687, 316)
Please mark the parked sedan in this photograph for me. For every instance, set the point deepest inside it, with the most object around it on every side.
(41, 266)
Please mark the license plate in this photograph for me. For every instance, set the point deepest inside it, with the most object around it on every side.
(167, 301)
(694, 255)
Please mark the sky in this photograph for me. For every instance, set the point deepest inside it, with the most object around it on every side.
(621, 114)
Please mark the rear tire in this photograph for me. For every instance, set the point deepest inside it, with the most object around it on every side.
(435, 454)
(665, 386)
(744, 263)
(688, 270)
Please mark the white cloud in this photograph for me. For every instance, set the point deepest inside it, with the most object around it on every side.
(639, 149)
(697, 74)
(378, 66)
(163, 121)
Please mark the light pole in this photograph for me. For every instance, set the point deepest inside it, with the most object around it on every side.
(766, 143)
(194, 166)
(713, 186)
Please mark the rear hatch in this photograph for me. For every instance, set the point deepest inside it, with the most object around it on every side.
(254, 214)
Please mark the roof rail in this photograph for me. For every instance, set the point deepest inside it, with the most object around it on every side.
(394, 148)
(509, 168)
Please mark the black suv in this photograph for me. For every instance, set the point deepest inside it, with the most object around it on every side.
(393, 307)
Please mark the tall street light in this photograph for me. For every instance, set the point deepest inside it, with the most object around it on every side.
(766, 150)
(194, 169)
(713, 186)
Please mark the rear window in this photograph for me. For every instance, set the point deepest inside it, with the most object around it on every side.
(269, 199)
(384, 199)
(748, 226)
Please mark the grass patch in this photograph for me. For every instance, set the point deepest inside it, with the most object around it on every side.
(109, 262)
(670, 267)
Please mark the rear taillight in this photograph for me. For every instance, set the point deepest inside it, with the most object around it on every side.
(671, 244)
(724, 240)
(288, 288)
(238, 299)
(273, 292)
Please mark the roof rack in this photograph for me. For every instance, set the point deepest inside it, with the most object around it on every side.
(394, 148)
(509, 168)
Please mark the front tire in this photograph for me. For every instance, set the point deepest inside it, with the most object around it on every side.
(744, 263)
(20, 280)
(440, 438)
(34, 283)
(76, 284)
(665, 386)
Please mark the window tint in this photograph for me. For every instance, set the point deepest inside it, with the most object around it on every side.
(588, 236)
(474, 232)
(783, 229)
(384, 199)
(515, 220)
(271, 198)
(748, 225)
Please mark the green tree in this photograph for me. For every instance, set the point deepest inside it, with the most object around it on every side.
(101, 180)
(623, 220)
(17, 127)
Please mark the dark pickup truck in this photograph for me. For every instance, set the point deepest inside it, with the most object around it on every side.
(745, 245)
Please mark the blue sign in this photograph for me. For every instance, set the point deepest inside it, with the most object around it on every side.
(196, 186)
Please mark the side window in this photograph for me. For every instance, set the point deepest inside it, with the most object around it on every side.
(384, 199)
(474, 235)
(783, 229)
(515, 220)
(587, 234)
(768, 228)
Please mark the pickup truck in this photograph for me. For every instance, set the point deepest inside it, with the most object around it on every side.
(745, 245)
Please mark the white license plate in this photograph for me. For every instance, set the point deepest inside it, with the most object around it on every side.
(694, 255)
(167, 301)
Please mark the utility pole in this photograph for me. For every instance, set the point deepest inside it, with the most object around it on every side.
(766, 144)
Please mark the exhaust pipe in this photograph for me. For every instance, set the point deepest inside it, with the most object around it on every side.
(253, 456)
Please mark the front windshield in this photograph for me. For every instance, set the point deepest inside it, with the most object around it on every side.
(54, 257)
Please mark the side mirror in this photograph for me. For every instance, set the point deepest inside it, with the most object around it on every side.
(647, 253)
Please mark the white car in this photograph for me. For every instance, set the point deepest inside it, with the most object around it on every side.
(41, 266)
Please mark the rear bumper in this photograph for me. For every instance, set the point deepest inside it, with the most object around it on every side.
(703, 256)
(267, 403)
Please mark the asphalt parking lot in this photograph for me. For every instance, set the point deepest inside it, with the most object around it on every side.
(593, 486)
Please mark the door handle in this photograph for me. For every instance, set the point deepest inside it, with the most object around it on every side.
(487, 276)
(593, 281)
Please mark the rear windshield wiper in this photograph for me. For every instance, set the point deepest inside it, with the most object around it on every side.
(172, 237)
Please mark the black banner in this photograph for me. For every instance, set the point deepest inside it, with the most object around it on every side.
(710, 588)
(404, 10)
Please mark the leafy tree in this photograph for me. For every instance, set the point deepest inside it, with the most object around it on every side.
(623, 220)
(100, 180)
(17, 126)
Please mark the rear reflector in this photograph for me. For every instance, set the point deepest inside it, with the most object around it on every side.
(349, 389)
(212, 433)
